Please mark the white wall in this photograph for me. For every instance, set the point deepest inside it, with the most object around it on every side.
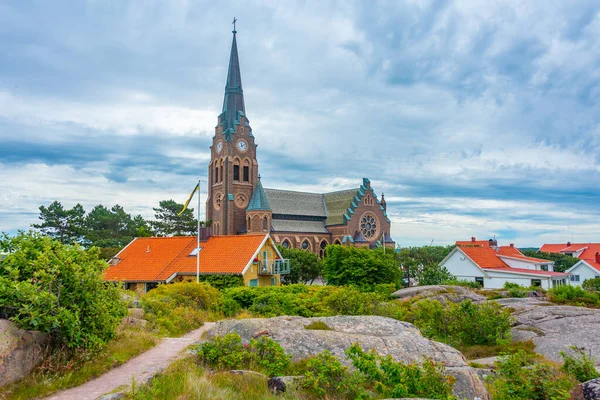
(462, 267)
(496, 280)
(520, 264)
(584, 272)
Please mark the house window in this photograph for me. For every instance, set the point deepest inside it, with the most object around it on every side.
(479, 279)
(253, 282)
(273, 282)
(536, 283)
(574, 278)
(236, 172)
(246, 173)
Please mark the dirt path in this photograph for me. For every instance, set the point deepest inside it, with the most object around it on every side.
(141, 368)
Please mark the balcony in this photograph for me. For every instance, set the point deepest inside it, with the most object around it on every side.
(274, 267)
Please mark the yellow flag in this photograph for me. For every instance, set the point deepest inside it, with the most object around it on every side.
(190, 199)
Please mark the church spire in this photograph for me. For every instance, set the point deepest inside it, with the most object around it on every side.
(233, 103)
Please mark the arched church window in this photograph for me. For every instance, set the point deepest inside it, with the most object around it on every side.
(248, 227)
(322, 252)
(337, 242)
(265, 225)
(216, 174)
(286, 244)
(305, 245)
(368, 225)
(246, 171)
(236, 170)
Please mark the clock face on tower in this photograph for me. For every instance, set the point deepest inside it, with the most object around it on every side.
(219, 147)
(242, 145)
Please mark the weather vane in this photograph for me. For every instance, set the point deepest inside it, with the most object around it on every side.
(234, 21)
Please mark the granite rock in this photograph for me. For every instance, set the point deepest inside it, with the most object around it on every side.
(442, 293)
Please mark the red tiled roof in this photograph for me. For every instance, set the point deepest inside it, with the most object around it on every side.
(529, 271)
(485, 257)
(552, 248)
(511, 251)
(589, 254)
(156, 259)
(474, 243)
(593, 263)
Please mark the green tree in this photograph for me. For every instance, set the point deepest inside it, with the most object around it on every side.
(305, 266)
(64, 225)
(422, 263)
(56, 288)
(361, 267)
(169, 223)
(109, 227)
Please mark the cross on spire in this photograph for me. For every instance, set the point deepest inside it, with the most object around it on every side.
(234, 21)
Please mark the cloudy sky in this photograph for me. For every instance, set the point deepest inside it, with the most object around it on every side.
(475, 118)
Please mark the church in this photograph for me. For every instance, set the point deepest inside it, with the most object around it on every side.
(238, 203)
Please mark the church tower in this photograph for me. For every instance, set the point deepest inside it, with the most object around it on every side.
(233, 169)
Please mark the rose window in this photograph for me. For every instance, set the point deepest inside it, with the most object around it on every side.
(368, 226)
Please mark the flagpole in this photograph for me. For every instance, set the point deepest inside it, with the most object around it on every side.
(198, 239)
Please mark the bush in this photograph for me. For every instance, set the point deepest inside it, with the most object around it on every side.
(305, 266)
(592, 284)
(573, 295)
(325, 376)
(581, 365)
(229, 352)
(458, 282)
(179, 307)
(395, 379)
(524, 376)
(464, 323)
(361, 267)
(51, 287)
(222, 282)
(317, 326)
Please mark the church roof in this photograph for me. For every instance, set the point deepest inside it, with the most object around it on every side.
(259, 199)
(289, 202)
(233, 103)
(337, 204)
(290, 225)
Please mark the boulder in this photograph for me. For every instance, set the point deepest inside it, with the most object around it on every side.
(443, 293)
(589, 390)
(20, 351)
(403, 341)
(280, 384)
(556, 328)
(136, 312)
(135, 322)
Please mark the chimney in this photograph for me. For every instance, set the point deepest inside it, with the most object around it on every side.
(473, 239)
(512, 245)
(568, 244)
(598, 257)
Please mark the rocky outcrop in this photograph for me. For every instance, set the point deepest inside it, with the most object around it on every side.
(589, 390)
(20, 351)
(443, 293)
(555, 328)
(403, 341)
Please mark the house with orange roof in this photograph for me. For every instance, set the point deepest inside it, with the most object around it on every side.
(149, 261)
(492, 266)
(589, 255)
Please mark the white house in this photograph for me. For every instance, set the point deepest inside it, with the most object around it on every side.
(589, 254)
(493, 266)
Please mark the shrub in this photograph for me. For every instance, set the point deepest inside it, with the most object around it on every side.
(591, 284)
(360, 267)
(56, 288)
(512, 285)
(351, 301)
(179, 307)
(326, 376)
(395, 379)
(459, 282)
(317, 326)
(229, 352)
(573, 295)
(222, 282)
(580, 365)
(524, 376)
(305, 266)
(464, 323)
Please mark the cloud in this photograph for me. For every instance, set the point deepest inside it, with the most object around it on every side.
(475, 118)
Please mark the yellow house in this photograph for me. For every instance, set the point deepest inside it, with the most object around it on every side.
(147, 262)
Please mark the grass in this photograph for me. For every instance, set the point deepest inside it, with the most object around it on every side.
(477, 351)
(49, 379)
(184, 380)
(317, 326)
